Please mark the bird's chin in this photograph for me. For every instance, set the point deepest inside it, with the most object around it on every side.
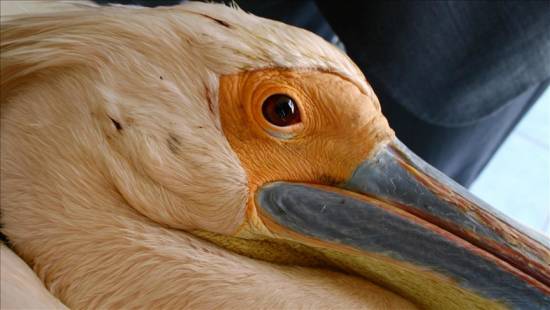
(426, 287)
(400, 223)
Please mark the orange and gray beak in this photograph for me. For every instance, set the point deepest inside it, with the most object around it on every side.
(399, 209)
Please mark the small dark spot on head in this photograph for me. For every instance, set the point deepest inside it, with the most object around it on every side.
(118, 126)
(200, 127)
(223, 23)
(220, 22)
(4, 239)
(161, 77)
(208, 99)
(174, 143)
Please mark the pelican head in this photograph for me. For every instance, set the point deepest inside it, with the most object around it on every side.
(130, 136)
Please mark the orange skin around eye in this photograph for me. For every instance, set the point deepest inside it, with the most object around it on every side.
(340, 126)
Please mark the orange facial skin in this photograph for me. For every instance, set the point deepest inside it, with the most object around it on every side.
(324, 148)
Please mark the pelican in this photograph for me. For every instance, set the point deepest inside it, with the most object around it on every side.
(201, 157)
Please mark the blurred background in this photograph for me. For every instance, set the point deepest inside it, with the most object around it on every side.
(517, 178)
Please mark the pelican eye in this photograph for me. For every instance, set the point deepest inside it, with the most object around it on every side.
(281, 110)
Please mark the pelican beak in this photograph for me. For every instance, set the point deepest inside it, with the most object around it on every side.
(403, 224)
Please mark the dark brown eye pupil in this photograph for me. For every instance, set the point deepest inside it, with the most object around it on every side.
(281, 110)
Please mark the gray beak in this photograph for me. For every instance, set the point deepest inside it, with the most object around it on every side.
(399, 209)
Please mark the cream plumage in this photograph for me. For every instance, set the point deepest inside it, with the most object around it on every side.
(98, 212)
(131, 136)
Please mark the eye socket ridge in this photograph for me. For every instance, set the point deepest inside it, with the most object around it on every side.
(281, 110)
